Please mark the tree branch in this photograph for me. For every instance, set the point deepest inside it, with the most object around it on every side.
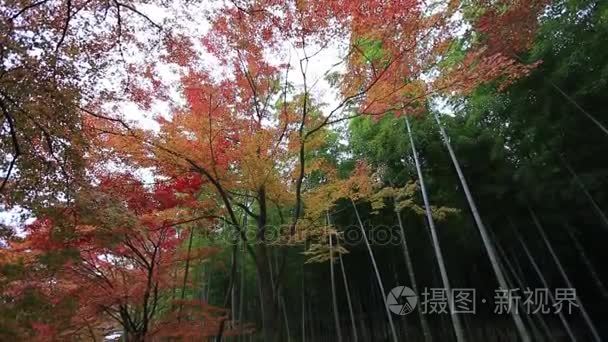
(15, 142)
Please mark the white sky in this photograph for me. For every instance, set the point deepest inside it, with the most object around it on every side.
(318, 66)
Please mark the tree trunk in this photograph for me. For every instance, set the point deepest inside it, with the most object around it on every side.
(135, 336)
(284, 309)
(269, 311)
(581, 251)
(519, 324)
(586, 317)
(311, 321)
(378, 278)
(242, 268)
(229, 296)
(350, 304)
(515, 281)
(242, 287)
(203, 282)
(586, 113)
(186, 271)
(580, 183)
(270, 304)
(303, 308)
(233, 303)
(540, 275)
(410, 270)
(261, 304)
(457, 325)
(208, 285)
(333, 285)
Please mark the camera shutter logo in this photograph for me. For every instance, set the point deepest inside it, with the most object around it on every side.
(409, 299)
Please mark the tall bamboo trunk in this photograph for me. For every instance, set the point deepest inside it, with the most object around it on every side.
(333, 285)
(303, 307)
(233, 303)
(590, 198)
(456, 323)
(540, 275)
(241, 288)
(378, 278)
(519, 324)
(410, 271)
(242, 273)
(517, 281)
(586, 317)
(350, 304)
(575, 104)
(311, 321)
(278, 295)
(259, 286)
(367, 331)
(592, 271)
(285, 318)
(229, 296)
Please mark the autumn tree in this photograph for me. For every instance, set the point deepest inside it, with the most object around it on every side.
(56, 58)
(115, 255)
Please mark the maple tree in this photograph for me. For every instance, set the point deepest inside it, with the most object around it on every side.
(55, 60)
(112, 255)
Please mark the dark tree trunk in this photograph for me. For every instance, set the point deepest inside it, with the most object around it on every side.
(269, 309)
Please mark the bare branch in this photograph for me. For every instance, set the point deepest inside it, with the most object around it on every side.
(28, 7)
(66, 25)
(135, 10)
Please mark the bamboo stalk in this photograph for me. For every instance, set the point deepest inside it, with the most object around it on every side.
(456, 323)
(333, 285)
(519, 324)
(590, 198)
(378, 278)
(540, 275)
(350, 305)
(410, 270)
(581, 251)
(586, 317)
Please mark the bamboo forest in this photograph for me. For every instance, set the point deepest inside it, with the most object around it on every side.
(303, 170)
